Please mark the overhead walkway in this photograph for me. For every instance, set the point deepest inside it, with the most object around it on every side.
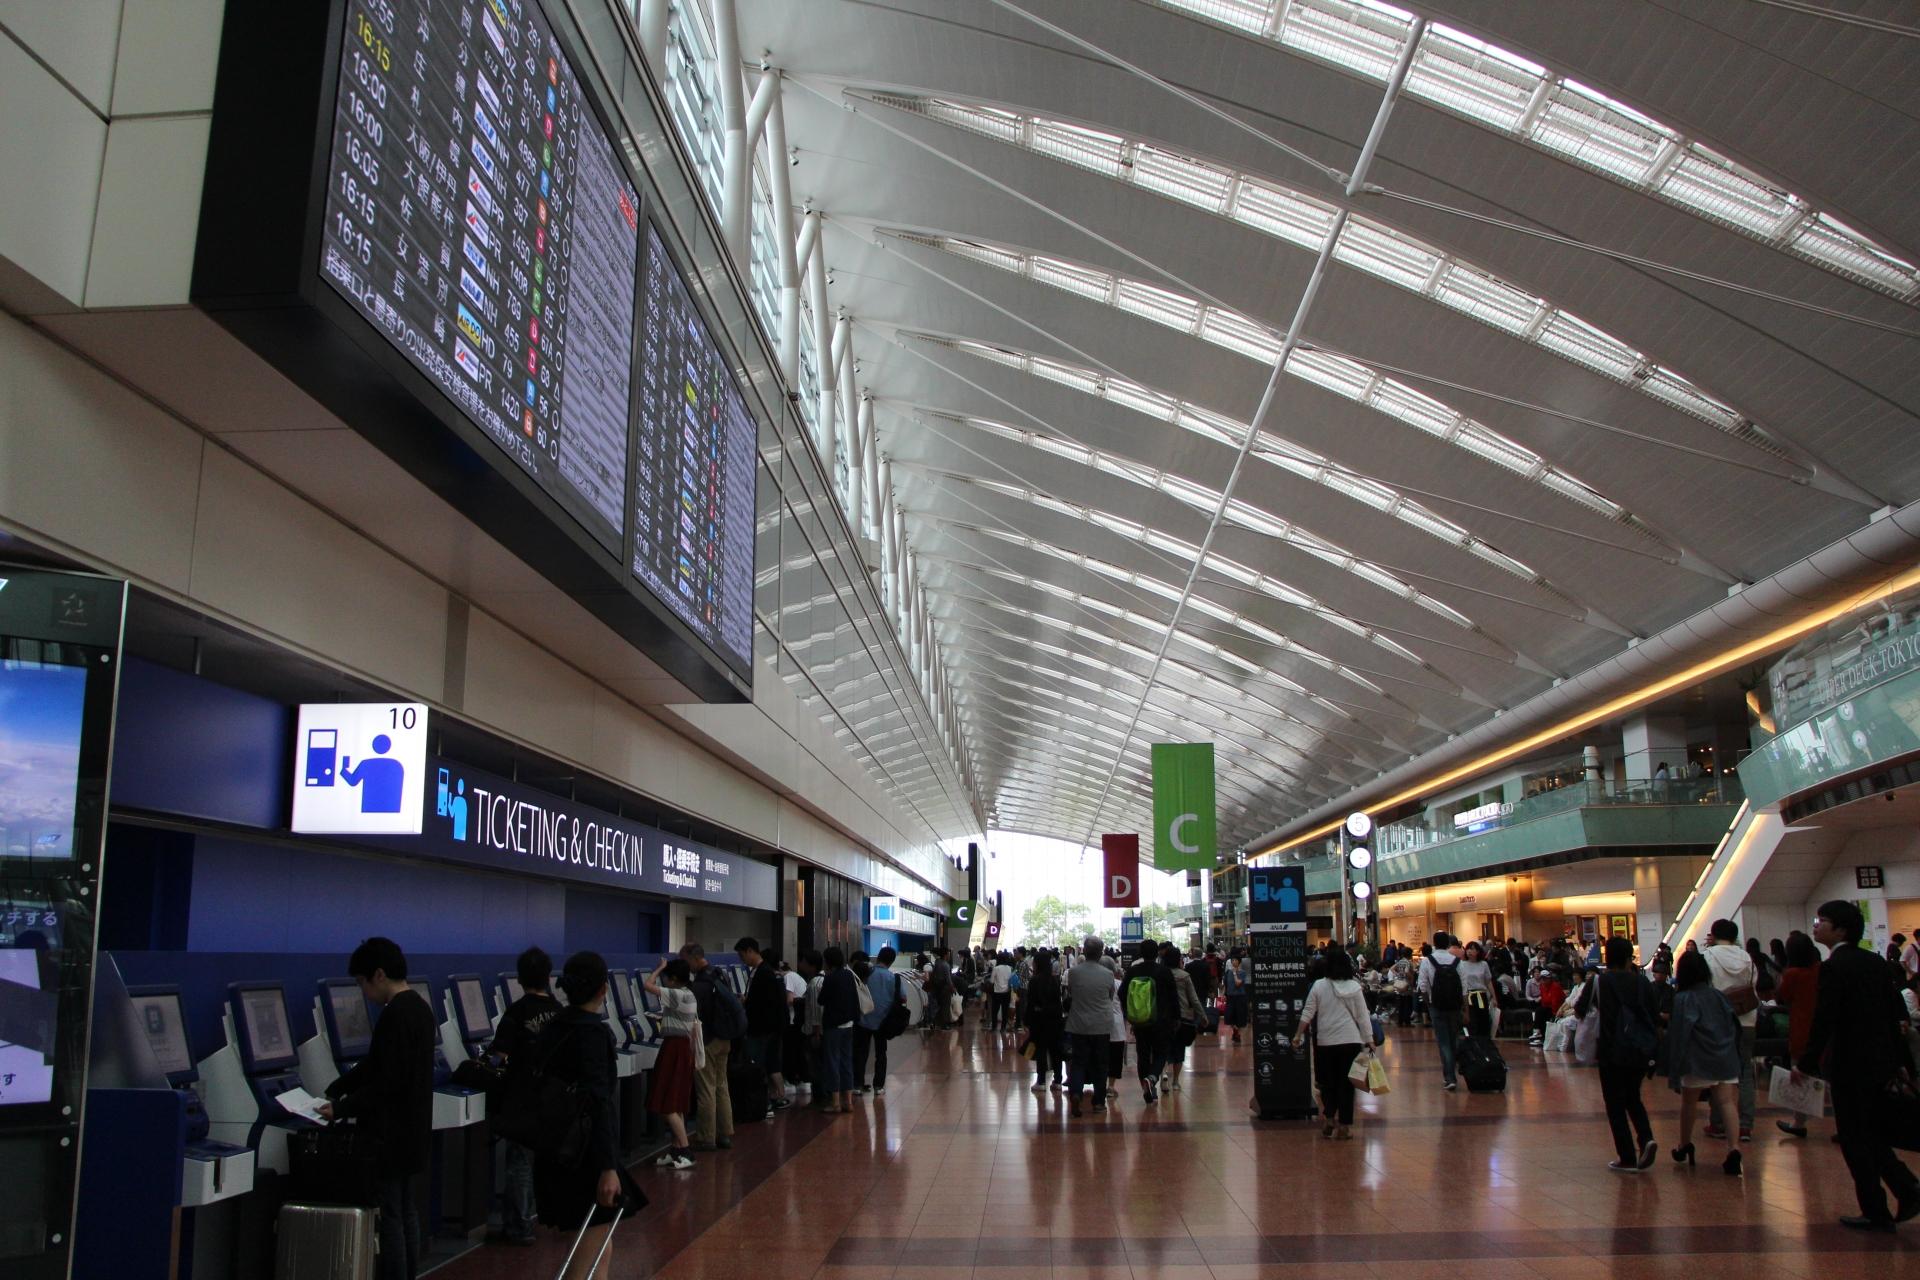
(1830, 749)
(1575, 823)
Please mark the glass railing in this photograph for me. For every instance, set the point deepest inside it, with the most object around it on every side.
(1843, 659)
(1409, 835)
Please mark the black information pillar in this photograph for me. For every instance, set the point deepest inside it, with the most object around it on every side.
(1282, 1078)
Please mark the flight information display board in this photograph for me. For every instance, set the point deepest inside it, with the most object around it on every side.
(478, 217)
(693, 465)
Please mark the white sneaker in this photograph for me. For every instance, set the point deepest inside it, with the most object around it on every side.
(680, 1162)
(879, 1089)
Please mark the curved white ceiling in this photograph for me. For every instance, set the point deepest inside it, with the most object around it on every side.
(1624, 316)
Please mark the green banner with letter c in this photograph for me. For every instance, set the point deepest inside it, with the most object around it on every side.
(1184, 837)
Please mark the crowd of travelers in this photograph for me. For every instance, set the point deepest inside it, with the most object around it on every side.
(1819, 1005)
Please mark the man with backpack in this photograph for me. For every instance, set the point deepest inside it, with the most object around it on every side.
(1446, 997)
(519, 1027)
(1151, 1004)
(723, 1019)
(766, 1006)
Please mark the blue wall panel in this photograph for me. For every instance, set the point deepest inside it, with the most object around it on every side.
(189, 746)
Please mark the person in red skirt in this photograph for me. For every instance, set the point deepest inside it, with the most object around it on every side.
(670, 1093)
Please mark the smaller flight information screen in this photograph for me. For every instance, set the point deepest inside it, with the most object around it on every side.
(479, 218)
(693, 463)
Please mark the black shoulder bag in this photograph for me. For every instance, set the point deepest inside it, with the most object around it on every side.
(540, 1111)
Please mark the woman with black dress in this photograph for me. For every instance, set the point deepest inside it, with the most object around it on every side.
(1043, 1014)
(577, 1047)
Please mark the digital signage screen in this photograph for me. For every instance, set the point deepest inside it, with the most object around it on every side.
(693, 466)
(478, 218)
(42, 708)
(461, 265)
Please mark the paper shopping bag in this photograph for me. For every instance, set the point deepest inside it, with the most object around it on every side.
(1377, 1077)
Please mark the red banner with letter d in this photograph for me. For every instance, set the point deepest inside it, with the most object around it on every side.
(1123, 870)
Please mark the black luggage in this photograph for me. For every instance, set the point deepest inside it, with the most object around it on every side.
(747, 1086)
(1480, 1065)
(324, 1242)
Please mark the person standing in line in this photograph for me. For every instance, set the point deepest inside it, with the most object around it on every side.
(1627, 1044)
(796, 1072)
(1703, 1045)
(670, 1082)
(1798, 992)
(390, 1092)
(839, 1011)
(1190, 1022)
(1089, 1019)
(1440, 986)
(1734, 977)
(520, 1024)
(766, 1004)
(713, 1102)
(1152, 1009)
(1336, 1012)
(813, 969)
(577, 1049)
(883, 984)
(1002, 992)
(1043, 1015)
(1856, 1031)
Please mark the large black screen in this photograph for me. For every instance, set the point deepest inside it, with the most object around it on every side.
(478, 217)
(693, 468)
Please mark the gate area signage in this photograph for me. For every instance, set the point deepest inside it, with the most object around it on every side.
(485, 820)
(1277, 910)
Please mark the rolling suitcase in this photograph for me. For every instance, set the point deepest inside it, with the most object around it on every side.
(1480, 1065)
(324, 1242)
(747, 1086)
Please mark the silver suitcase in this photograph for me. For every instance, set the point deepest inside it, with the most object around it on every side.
(324, 1242)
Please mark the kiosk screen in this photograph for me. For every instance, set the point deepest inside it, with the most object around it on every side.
(473, 1007)
(351, 1025)
(166, 1030)
(265, 1010)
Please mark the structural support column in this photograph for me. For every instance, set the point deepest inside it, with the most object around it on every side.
(780, 187)
(737, 155)
(1649, 741)
(822, 336)
(652, 22)
(849, 423)
(869, 490)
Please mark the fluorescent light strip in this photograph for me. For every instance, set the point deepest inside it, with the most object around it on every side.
(1511, 95)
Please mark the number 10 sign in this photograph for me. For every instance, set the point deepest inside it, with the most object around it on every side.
(358, 768)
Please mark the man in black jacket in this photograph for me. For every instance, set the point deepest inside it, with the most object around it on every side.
(1857, 1020)
(390, 1092)
(1150, 1039)
(520, 1026)
(766, 1018)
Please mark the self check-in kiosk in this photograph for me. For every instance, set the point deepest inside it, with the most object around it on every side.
(210, 1170)
(510, 990)
(467, 994)
(243, 1084)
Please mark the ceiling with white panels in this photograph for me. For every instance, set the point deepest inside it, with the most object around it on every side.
(1623, 315)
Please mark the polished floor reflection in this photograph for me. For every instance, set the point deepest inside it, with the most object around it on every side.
(962, 1173)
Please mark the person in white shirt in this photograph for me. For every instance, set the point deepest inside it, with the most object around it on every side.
(1336, 1012)
(1910, 955)
(1734, 977)
(1003, 992)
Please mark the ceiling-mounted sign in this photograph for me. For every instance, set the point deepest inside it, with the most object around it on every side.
(883, 912)
(358, 767)
(1183, 807)
(1120, 855)
(1868, 878)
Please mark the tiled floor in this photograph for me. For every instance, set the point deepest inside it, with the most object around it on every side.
(961, 1173)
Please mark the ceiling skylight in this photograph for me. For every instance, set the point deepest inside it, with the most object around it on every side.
(1337, 373)
(1371, 247)
(1512, 95)
(1269, 448)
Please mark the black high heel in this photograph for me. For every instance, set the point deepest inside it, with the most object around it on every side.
(1684, 1155)
(1731, 1165)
